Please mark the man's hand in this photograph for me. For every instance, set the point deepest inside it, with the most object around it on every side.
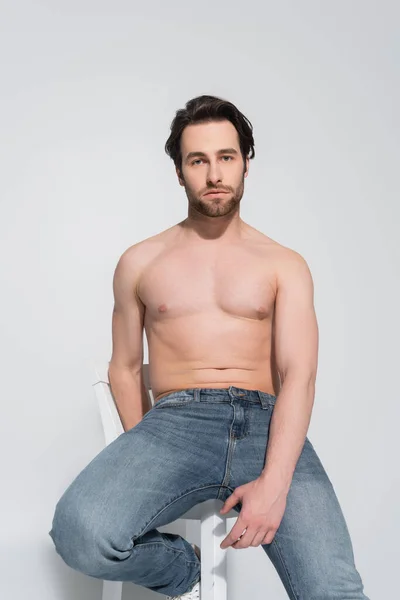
(263, 505)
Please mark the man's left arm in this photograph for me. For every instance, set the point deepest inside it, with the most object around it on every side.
(295, 339)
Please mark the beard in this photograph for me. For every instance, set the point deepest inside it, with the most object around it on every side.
(217, 206)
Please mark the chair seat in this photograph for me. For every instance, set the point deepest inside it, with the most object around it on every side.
(197, 512)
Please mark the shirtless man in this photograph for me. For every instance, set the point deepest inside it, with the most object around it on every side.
(233, 344)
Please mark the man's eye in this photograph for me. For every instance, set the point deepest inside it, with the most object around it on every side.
(200, 159)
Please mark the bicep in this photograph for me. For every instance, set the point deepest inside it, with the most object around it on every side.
(127, 317)
(295, 323)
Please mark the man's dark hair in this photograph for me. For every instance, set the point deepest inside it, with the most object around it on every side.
(204, 109)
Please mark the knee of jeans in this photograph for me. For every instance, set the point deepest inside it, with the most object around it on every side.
(79, 537)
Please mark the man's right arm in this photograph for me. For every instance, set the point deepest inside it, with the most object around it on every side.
(125, 369)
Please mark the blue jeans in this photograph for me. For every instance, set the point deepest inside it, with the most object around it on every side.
(195, 445)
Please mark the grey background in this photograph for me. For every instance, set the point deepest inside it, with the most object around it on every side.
(88, 91)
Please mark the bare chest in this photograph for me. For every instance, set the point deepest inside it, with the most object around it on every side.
(183, 283)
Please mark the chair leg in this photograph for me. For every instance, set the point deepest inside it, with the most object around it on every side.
(112, 590)
(213, 558)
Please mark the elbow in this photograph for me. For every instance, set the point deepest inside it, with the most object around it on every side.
(116, 369)
(303, 376)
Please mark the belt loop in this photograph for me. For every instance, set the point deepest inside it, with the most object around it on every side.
(196, 394)
(263, 400)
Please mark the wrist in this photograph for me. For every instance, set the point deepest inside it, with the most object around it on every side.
(277, 479)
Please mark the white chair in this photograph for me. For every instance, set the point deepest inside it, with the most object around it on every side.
(213, 525)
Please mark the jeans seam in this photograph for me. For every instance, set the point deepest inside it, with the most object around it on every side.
(216, 485)
(279, 552)
(171, 403)
(191, 585)
(148, 545)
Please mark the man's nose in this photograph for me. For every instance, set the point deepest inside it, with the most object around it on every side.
(214, 174)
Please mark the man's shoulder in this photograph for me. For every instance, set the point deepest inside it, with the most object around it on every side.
(290, 265)
(288, 256)
(158, 239)
(145, 250)
(281, 255)
(285, 262)
(271, 245)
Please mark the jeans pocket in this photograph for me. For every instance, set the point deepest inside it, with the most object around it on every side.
(173, 400)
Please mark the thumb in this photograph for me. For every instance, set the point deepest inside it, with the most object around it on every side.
(230, 502)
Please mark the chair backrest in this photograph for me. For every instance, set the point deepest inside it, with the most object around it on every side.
(110, 418)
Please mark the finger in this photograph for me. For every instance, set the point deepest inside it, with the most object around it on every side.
(245, 539)
(234, 535)
(259, 538)
(269, 537)
(228, 540)
(229, 503)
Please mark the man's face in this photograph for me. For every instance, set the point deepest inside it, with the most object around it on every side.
(219, 167)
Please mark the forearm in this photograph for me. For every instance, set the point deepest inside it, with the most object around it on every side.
(130, 395)
(288, 429)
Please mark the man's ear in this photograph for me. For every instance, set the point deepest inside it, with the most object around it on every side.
(247, 165)
(179, 175)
